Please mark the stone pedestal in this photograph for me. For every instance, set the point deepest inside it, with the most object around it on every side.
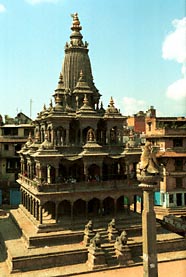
(122, 251)
(88, 233)
(87, 237)
(96, 255)
(123, 255)
(96, 258)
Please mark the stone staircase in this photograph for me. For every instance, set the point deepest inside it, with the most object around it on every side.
(110, 255)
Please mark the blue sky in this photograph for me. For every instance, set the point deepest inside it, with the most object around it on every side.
(136, 47)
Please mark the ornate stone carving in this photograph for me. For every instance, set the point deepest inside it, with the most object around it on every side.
(112, 231)
(148, 170)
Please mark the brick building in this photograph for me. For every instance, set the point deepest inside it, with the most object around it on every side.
(169, 135)
(14, 133)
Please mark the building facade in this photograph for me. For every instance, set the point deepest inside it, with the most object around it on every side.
(169, 135)
(14, 133)
(76, 166)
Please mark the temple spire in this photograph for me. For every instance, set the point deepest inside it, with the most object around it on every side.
(76, 23)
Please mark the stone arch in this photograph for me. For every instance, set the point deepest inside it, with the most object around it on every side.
(85, 132)
(108, 206)
(49, 210)
(120, 204)
(94, 207)
(79, 208)
(64, 209)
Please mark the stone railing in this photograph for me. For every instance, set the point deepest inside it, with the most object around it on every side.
(79, 186)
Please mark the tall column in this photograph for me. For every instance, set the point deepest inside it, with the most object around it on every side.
(71, 211)
(40, 214)
(48, 174)
(149, 174)
(150, 268)
(67, 136)
(56, 212)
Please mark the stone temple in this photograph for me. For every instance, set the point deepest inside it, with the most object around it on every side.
(79, 191)
(75, 168)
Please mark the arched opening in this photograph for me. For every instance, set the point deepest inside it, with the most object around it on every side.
(64, 209)
(48, 211)
(85, 131)
(94, 173)
(94, 207)
(74, 138)
(120, 204)
(108, 206)
(113, 135)
(79, 208)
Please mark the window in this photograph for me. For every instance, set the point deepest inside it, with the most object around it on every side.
(179, 182)
(10, 131)
(178, 165)
(149, 126)
(178, 142)
(171, 199)
(12, 165)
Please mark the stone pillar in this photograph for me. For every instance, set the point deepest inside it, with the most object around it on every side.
(56, 212)
(48, 174)
(149, 174)
(149, 232)
(71, 211)
(86, 171)
(67, 136)
(40, 214)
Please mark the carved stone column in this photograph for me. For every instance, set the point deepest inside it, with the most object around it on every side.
(148, 173)
(150, 268)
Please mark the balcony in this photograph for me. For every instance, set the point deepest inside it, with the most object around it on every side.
(81, 186)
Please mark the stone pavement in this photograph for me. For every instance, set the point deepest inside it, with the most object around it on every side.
(81, 269)
(170, 264)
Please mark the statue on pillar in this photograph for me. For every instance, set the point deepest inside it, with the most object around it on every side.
(122, 251)
(148, 169)
(96, 255)
(88, 233)
(112, 231)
